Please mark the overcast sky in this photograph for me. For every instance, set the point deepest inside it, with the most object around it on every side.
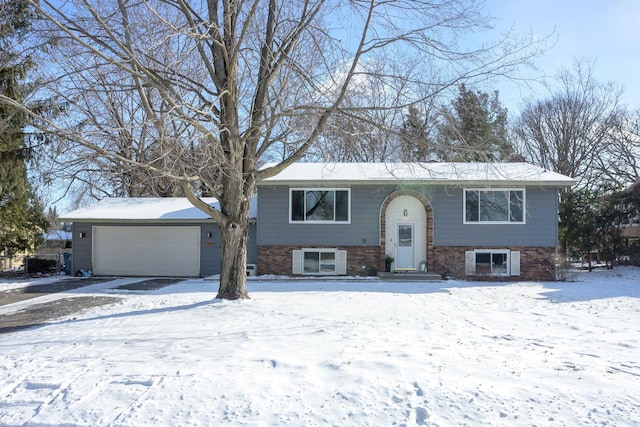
(606, 31)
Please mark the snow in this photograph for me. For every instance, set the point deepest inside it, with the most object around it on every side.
(447, 173)
(341, 352)
(146, 208)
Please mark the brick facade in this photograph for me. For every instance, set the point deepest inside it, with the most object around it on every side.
(536, 263)
(278, 260)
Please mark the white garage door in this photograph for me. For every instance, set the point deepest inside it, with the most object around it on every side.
(146, 251)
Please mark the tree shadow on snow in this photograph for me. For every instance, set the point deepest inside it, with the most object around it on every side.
(286, 285)
(145, 312)
(372, 285)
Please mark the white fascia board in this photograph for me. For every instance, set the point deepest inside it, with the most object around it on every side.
(434, 183)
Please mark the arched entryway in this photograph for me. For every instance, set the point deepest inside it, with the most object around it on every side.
(406, 226)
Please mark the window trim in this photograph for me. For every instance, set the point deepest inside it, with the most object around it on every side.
(506, 252)
(297, 257)
(320, 251)
(306, 189)
(524, 206)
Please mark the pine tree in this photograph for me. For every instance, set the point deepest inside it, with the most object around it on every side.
(417, 141)
(22, 219)
(474, 128)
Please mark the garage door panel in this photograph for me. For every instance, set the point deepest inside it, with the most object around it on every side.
(146, 251)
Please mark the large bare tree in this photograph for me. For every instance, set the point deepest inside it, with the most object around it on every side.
(214, 87)
(569, 130)
(620, 162)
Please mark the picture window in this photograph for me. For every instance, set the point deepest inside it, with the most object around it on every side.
(494, 206)
(320, 205)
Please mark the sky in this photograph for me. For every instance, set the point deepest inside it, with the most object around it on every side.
(339, 352)
(607, 32)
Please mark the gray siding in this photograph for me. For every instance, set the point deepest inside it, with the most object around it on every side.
(541, 228)
(81, 248)
(210, 249)
(252, 245)
(364, 229)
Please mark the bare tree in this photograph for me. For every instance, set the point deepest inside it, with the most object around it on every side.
(364, 127)
(569, 130)
(620, 162)
(230, 80)
(124, 128)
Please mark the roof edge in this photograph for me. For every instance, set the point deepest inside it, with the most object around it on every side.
(435, 183)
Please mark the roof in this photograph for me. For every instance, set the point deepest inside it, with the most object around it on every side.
(634, 188)
(55, 235)
(434, 173)
(146, 208)
(632, 232)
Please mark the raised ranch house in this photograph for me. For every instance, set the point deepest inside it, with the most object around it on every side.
(464, 219)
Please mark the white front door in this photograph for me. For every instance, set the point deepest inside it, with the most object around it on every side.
(405, 246)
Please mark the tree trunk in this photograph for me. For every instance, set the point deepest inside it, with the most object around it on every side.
(233, 274)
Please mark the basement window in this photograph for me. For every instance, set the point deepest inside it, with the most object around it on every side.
(492, 262)
(324, 261)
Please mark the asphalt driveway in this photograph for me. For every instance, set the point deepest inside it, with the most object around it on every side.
(38, 314)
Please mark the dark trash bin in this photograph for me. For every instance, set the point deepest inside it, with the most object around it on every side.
(67, 264)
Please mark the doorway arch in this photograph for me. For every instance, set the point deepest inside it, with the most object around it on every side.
(409, 213)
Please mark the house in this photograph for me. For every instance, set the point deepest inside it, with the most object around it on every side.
(631, 228)
(148, 237)
(56, 242)
(465, 219)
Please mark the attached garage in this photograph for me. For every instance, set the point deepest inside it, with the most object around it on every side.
(149, 237)
(139, 251)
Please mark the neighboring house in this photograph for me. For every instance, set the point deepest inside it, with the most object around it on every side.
(631, 232)
(631, 229)
(464, 219)
(148, 237)
(56, 242)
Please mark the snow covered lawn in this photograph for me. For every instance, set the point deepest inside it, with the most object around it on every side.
(335, 353)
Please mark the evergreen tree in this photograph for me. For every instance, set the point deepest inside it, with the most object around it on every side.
(474, 128)
(591, 222)
(578, 224)
(22, 219)
(416, 137)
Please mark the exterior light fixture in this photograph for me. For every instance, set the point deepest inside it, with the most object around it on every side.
(406, 213)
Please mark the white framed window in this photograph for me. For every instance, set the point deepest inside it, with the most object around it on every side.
(320, 205)
(494, 206)
(492, 262)
(319, 261)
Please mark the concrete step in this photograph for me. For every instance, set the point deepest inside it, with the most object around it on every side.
(409, 275)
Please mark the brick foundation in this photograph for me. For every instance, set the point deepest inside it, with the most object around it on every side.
(536, 263)
(278, 259)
